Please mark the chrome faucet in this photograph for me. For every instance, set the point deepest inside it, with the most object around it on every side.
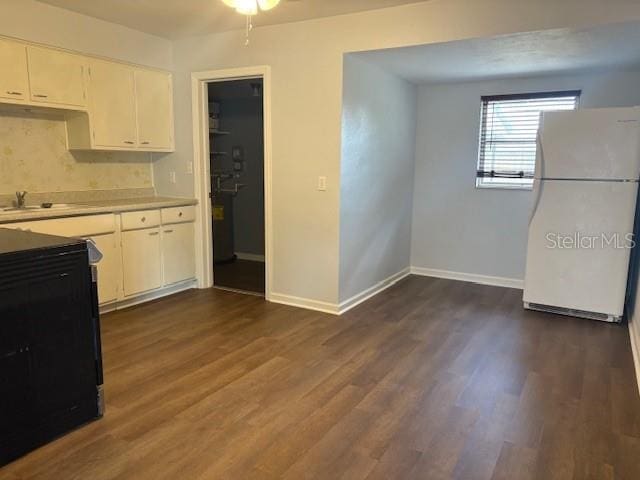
(20, 199)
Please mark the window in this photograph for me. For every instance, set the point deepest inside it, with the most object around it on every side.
(508, 134)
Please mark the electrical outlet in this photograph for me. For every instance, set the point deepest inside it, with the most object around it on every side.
(189, 168)
(172, 177)
(322, 184)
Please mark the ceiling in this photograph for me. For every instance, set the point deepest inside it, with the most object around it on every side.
(175, 19)
(538, 53)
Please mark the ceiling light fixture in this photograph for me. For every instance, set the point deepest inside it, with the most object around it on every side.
(250, 8)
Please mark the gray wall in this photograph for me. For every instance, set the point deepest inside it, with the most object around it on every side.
(378, 141)
(306, 61)
(241, 114)
(39, 22)
(457, 227)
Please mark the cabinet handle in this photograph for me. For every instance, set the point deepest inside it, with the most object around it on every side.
(180, 214)
(168, 231)
(153, 234)
(40, 96)
(9, 92)
(145, 143)
(143, 219)
(128, 142)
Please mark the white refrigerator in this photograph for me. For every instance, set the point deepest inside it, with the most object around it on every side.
(580, 232)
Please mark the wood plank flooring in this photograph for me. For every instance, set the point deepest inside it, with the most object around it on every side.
(432, 379)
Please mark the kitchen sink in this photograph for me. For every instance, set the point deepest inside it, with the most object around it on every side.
(38, 208)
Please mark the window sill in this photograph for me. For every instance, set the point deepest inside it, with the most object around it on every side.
(504, 187)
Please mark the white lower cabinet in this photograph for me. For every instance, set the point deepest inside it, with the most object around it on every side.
(99, 228)
(178, 253)
(143, 251)
(141, 261)
(157, 249)
(108, 267)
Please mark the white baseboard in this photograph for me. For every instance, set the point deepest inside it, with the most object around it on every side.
(250, 256)
(372, 291)
(635, 348)
(339, 309)
(469, 277)
(306, 303)
(147, 297)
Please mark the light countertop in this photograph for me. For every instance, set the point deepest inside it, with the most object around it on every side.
(97, 207)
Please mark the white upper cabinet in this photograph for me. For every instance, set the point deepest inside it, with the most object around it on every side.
(112, 110)
(154, 106)
(129, 109)
(14, 79)
(110, 105)
(57, 77)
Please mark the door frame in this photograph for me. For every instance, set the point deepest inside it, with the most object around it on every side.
(201, 170)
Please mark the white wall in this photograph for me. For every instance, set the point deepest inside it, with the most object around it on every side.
(378, 151)
(306, 60)
(41, 23)
(457, 227)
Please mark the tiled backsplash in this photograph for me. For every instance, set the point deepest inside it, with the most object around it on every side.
(34, 157)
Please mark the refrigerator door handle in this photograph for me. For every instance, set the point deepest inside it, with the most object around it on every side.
(539, 155)
(539, 175)
(537, 192)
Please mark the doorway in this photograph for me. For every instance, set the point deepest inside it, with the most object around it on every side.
(236, 166)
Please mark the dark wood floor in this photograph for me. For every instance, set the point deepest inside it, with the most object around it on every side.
(432, 379)
(244, 275)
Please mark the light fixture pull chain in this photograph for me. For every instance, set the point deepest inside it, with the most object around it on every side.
(249, 28)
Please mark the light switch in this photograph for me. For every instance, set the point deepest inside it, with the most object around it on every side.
(190, 168)
(172, 177)
(322, 184)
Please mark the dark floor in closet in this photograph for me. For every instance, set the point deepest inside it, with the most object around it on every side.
(244, 275)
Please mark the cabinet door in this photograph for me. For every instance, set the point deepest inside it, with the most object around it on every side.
(141, 259)
(57, 77)
(108, 268)
(113, 116)
(14, 81)
(178, 253)
(154, 102)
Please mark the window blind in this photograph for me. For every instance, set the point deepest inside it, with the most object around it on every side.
(508, 134)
